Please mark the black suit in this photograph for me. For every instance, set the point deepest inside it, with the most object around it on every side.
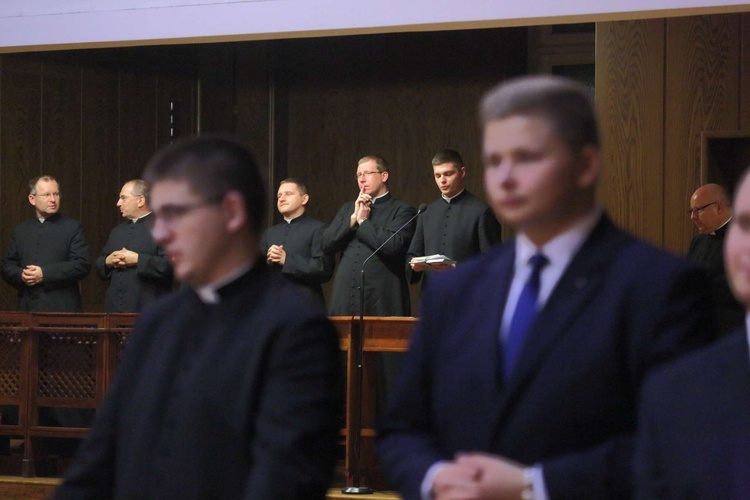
(132, 287)
(305, 262)
(234, 400)
(707, 250)
(694, 427)
(458, 229)
(60, 248)
(620, 308)
(386, 289)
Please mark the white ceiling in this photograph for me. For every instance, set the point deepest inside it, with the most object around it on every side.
(50, 24)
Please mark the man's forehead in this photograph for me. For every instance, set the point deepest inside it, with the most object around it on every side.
(46, 185)
(288, 186)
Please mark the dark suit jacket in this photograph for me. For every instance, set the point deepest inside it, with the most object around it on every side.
(60, 248)
(305, 264)
(460, 229)
(620, 308)
(707, 250)
(235, 400)
(694, 427)
(386, 289)
(133, 287)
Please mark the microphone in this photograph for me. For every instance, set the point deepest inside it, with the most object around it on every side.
(356, 345)
(421, 209)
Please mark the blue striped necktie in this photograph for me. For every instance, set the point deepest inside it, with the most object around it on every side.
(523, 316)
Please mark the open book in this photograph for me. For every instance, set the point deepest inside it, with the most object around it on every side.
(437, 259)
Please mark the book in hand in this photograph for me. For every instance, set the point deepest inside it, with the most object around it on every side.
(434, 261)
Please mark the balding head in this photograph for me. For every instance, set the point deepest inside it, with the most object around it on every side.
(710, 208)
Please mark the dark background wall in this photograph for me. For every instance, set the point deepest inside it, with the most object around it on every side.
(311, 107)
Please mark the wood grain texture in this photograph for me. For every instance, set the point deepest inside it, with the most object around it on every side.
(103, 177)
(138, 119)
(20, 149)
(629, 93)
(744, 84)
(404, 97)
(701, 93)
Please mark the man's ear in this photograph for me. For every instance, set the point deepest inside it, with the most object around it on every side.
(385, 176)
(32, 199)
(305, 199)
(233, 205)
(589, 167)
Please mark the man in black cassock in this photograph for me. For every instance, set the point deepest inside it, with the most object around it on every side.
(48, 255)
(458, 224)
(711, 211)
(359, 228)
(136, 267)
(293, 247)
(231, 386)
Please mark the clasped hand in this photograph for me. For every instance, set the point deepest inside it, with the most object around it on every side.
(479, 476)
(122, 258)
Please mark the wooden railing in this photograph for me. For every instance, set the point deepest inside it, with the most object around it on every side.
(64, 362)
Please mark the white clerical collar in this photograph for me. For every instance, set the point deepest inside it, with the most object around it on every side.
(452, 197)
(209, 294)
(378, 197)
(139, 218)
(289, 221)
(725, 223)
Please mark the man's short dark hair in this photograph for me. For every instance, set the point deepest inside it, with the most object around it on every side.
(140, 188)
(45, 178)
(294, 180)
(448, 156)
(212, 166)
(565, 104)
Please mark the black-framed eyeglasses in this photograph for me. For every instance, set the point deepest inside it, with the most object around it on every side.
(700, 209)
(362, 174)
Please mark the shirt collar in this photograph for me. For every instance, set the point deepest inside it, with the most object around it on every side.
(374, 200)
(139, 218)
(209, 294)
(561, 248)
(454, 196)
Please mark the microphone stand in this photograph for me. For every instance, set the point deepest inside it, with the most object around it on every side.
(358, 344)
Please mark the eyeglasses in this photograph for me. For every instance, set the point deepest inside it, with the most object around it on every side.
(169, 215)
(698, 210)
(362, 174)
(46, 196)
(126, 196)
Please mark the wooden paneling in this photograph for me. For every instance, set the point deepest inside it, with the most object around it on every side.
(402, 96)
(61, 133)
(744, 85)
(20, 139)
(629, 90)
(179, 90)
(701, 93)
(100, 161)
(138, 112)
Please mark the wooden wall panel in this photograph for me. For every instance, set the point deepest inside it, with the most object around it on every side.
(138, 118)
(629, 89)
(100, 160)
(61, 133)
(216, 64)
(20, 149)
(181, 91)
(744, 84)
(701, 93)
(252, 119)
(402, 96)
